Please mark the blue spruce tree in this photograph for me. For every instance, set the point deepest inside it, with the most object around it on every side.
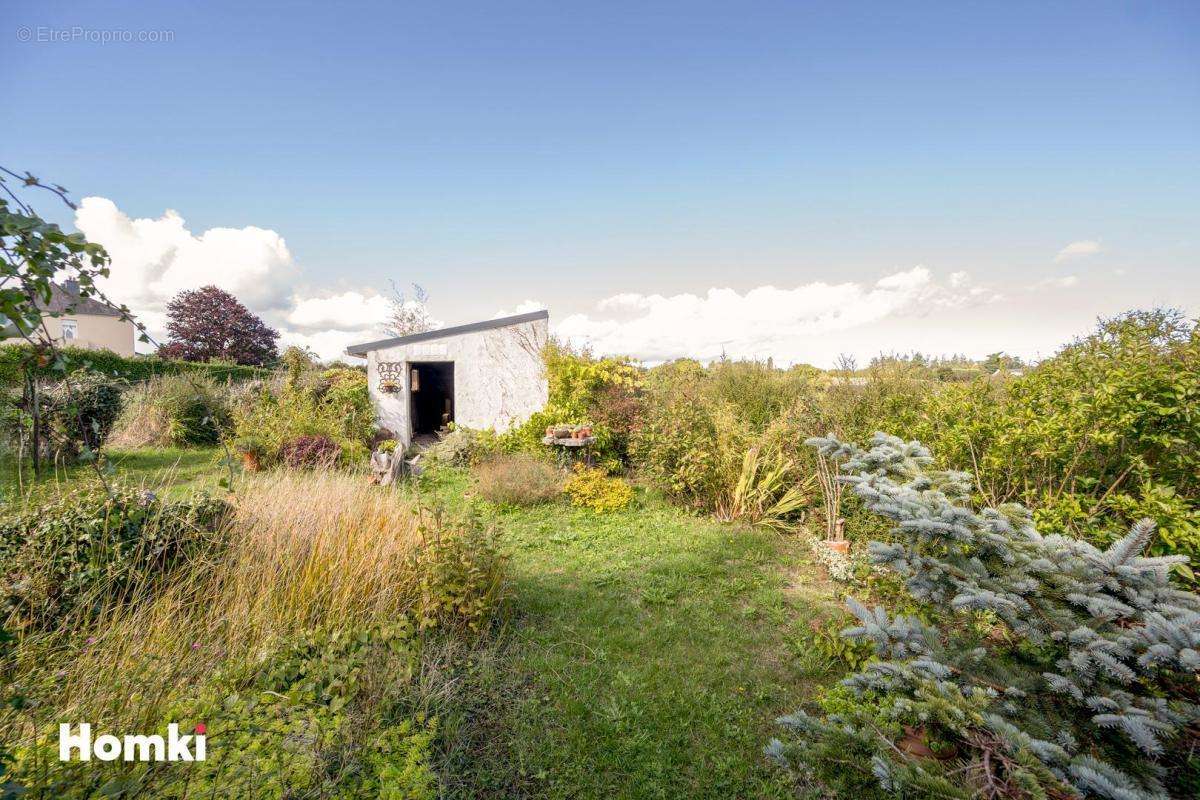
(1056, 670)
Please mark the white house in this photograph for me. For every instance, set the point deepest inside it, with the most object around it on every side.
(82, 322)
(483, 375)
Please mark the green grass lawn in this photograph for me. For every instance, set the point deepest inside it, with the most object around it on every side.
(178, 472)
(647, 655)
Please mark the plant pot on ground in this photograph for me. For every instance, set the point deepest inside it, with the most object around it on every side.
(838, 542)
(253, 452)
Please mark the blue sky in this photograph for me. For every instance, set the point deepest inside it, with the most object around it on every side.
(507, 155)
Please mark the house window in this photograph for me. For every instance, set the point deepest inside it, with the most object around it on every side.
(70, 329)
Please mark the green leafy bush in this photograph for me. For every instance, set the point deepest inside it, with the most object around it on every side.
(579, 385)
(825, 644)
(305, 402)
(461, 447)
(594, 489)
(85, 408)
(1059, 669)
(1102, 434)
(76, 414)
(516, 479)
(132, 369)
(325, 714)
(89, 548)
(460, 574)
(173, 411)
(676, 445)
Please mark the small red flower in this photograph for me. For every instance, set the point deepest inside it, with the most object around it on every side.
(201, 728)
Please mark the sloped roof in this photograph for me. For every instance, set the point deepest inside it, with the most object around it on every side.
(488, 324)
(63, 301)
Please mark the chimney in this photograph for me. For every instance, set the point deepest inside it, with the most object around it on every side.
(71, 286)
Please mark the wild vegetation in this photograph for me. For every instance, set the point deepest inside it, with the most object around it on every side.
(281, 617)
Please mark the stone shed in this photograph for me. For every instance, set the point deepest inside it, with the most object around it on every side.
(483, 375)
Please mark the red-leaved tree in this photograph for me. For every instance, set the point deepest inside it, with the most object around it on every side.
(208, 323)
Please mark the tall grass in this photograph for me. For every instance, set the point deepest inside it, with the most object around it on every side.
(172, 411)
(302, 551)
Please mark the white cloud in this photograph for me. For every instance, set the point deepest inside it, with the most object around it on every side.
(524, 307)
(153, 259)
(329, 344)
(1080, 249)
(787, 324)
(349, 311)
(1065, 282)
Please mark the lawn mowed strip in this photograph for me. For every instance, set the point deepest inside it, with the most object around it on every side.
(647, 655)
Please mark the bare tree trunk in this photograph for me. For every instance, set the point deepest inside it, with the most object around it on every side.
(35, 413)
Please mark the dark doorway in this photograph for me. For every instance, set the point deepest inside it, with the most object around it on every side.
(431, 385)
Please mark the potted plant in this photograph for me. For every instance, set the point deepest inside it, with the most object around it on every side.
(839, 543)
(389, 387)
(253, 451)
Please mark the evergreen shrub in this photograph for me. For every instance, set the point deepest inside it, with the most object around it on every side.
(1057, 669)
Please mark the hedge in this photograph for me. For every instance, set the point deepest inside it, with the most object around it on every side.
(135, 369)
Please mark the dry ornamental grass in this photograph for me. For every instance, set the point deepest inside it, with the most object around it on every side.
(517, 480)
(302, 551)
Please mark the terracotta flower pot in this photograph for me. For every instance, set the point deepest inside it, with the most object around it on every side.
(839, 546)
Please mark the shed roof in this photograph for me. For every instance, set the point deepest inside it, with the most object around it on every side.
(361, 350)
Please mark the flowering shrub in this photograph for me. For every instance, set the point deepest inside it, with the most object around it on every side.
(1060, 669)
(310, 452)
(592, 488)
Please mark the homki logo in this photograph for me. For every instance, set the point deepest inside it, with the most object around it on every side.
(133, 747)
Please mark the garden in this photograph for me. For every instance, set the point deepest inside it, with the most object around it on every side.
(911, 579)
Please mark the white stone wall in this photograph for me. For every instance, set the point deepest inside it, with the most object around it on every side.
(95, 332)
(499, 379)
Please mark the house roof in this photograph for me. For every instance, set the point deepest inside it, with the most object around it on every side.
(65, 301)
(361, 350)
